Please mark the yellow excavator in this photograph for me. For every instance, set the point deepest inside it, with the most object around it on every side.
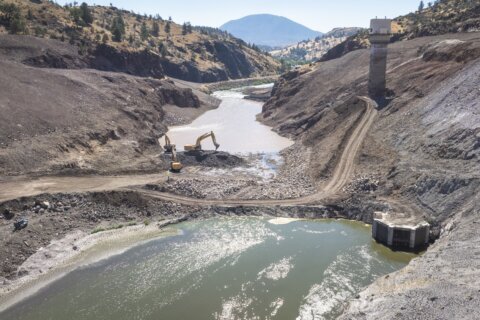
(175, 165)
(198, 145)
(168, 145)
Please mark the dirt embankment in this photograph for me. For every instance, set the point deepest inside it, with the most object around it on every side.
(84, 121)
(423, 150)
(55, 216)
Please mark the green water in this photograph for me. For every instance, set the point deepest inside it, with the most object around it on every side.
(223, 268)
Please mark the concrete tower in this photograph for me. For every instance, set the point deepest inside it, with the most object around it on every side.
(380, 32)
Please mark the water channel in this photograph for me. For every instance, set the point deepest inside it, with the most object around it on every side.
(235, 126)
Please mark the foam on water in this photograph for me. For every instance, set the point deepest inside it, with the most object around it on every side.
(280, 221)
(340, 284)
(277, 270)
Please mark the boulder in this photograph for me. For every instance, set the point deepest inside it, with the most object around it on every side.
(8, 214)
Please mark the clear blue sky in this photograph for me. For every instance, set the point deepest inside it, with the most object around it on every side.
(320, 15)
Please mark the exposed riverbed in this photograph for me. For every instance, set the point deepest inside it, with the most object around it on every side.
(224, 268)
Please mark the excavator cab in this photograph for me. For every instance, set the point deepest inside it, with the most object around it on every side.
(169, 147)
(198, 145)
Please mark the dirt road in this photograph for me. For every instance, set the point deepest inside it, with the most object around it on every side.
(21, 187)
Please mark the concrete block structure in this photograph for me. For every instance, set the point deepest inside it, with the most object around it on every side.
(380, 34)
(400, 231)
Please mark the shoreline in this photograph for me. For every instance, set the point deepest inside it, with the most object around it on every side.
(76, 250)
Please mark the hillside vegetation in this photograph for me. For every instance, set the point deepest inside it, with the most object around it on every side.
(111, 39)
(442, 16)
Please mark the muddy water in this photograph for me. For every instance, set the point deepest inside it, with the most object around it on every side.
(235, 126)
(223, 268)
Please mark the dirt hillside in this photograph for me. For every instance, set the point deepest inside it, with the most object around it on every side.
(81, 121)
(113, 39)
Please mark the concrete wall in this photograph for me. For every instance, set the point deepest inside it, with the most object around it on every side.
(381, 26)
(400, 237)
(380, 232)
(378, 70)
(380, 30)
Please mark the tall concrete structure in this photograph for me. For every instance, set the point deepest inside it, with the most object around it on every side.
(380, 33)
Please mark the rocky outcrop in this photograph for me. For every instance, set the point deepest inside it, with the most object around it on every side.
(146, 63)
(352, 43)
(233, 63)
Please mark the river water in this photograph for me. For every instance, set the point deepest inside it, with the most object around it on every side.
(235, 126)
(223, 268)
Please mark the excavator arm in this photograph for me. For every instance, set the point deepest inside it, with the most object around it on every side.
(214, 140)
(175, 165)
(168, 145)
(198, 144)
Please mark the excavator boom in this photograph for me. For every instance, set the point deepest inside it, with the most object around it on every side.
(168, 145)
(198, 144)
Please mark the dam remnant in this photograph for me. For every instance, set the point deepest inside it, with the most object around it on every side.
(400, 231)
(380, 33)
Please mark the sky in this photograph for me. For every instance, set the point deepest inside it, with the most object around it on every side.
(319, 15)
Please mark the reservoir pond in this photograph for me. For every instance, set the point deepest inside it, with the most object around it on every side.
(223, 268)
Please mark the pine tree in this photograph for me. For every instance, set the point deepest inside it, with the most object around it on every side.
(118, 28)
(85, 13)
(144, 32)
(162, 49)
(155, 29)
(12, 18)
(184, 29)
(421, 6)
(167, 27)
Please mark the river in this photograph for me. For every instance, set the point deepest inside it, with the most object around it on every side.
(223, 268)
(235, 126)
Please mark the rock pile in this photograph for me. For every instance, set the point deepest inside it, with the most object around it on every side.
(291, 181)
(362, 184)
(207, 158)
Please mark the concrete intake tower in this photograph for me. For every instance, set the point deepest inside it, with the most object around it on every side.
(380, 33)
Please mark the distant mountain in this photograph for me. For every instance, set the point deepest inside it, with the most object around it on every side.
(269, 30)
